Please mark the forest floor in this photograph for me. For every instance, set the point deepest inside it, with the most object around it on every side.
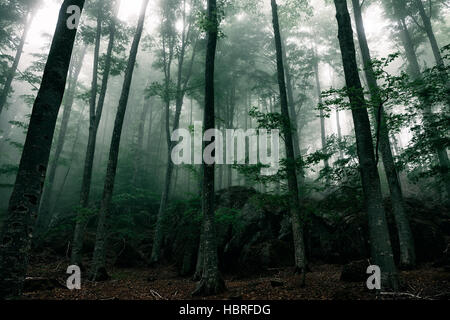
(163, 283)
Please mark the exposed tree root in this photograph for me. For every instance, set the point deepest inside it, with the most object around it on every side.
(210, 287)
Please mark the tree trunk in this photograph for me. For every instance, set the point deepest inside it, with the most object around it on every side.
(45, 212)
(378, 230)
(139, 148)
(414, 69)
(407, 252)
(339, 133)
(211, 282)
(180, 93)
(295, 209)
(293, 113)
(12, 71)
(98, 268)
(430, 33)
(17, 228)
(323, 135)
(94, 121)
(149, 142)
(441, 151)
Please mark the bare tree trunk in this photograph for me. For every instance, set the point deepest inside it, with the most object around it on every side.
(414, 68)
(45, 212)
(378, 230)
(322, 116)
(139, 148)
(12, 71)
(293, 113)
(211, 282)
(94, 121)
(17, 228)
(295, 209)
(407, 252)
(339, 133)
(180, 93)
(441, 151)
(149, 141)
(98, 268)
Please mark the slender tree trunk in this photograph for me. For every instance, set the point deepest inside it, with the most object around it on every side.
(339, 133)
(410, 51)
(322, 116)
(430, 33)
(137, 181)
(293, 113)
(12, 71)
(98, 268)
(45, 212)
(414, 68)
(17, 228)
(378, 230)
(441, 151)
(149, 141)
(190, 125)
(94, 121)
(200, 256)
(180, 93)
(295, 209)
(211, 282)
(72, 158)
(407, 252)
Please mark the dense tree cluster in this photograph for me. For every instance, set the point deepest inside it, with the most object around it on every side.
(86, 122)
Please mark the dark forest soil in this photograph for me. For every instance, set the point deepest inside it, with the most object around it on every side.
(278, 284)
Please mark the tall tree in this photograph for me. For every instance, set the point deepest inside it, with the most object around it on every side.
(45, 213)
(400, 14)
(407, 252)
(295, 208)
(181, 86)
(17, 229)
(98, 268)
(323, 135)
(380, 243)
(28, 19)
(95, 115)
(441, 150)
(211, 281)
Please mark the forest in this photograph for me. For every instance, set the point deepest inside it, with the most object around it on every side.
(224, 149)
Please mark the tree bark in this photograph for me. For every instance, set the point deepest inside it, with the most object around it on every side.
(441, 151)
(12, 71)
(378, 230)
(98, 268)
(17, 228)
(211, 282)
(407, 251)
(295, 209)
(45, 213)
(94, 121)
(180, 93)
(139, 147)
(323, 135)
(414, 68)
